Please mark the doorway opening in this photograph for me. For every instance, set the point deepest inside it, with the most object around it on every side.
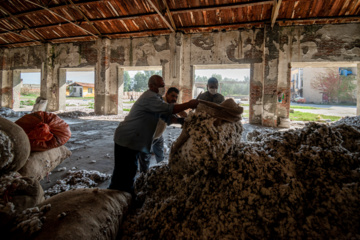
(234, 82)
(26, 88)
(80, 89)
(323, 90)
(136, 83)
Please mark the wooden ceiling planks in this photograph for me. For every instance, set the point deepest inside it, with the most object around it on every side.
(25, 23)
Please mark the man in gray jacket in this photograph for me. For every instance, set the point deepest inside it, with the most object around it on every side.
(135, 134)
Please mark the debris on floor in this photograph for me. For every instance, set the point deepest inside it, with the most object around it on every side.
(77, 179)
(301, 183)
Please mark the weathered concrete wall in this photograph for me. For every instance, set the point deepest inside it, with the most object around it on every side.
(269, 51)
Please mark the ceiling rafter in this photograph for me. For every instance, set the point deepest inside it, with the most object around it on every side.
(168, 12)
(40, 10)
(161, 15)
(128, 17)
(19, 34)
(222, 6)
(84, 16)
(61, 17)
(275, 11)
(24, 25)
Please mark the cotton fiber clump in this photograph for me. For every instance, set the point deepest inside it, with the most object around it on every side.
(296, 184)
(77, 179)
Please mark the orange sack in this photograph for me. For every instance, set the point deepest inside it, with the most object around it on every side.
(45, 130)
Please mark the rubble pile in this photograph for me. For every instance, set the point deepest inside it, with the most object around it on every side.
(294, 184)
(77, 179)
(8, 112)
(74, 114)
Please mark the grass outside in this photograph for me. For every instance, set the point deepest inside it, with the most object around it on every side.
(303, 107)
(79, 98)
(130, 102)
(313, 117)
(30, 96)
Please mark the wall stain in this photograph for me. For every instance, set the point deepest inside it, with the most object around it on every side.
(161, 47)
(118, 55)
(204, 42)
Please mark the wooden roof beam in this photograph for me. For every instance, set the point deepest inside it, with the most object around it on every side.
(19, 34)
(223, 6)
(162, 16)
(40, 10)
(169, 14)
(275, 12)
(33, 32)
(63, 24)
(61, 17)
(84, 16)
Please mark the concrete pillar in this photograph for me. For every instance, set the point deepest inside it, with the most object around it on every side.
(120, 89)
(256, 93)
(358, 90)
(62, 89)
(16, 86)
(5, 80)
(187, 71)
(49, 86)
(106, 81)
(5, 89)
(271, 61)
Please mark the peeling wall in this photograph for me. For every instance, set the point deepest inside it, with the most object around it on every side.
(269, 51)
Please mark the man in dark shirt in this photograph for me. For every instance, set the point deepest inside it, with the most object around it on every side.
(211, 95)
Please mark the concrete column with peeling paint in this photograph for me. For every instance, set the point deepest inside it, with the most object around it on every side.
(120, 89)
(17, 85)
(271, 71)
(106, 81)
(5, 80)
(49, 86)
(62, 89)
(358, 90)
(187, 74)
(256, 93)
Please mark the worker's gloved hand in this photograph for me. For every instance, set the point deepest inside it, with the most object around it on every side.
(180, 120)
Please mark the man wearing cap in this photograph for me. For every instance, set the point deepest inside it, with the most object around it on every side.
(135, 133)
(212, 95)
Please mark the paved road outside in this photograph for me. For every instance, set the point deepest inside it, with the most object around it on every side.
(331, 110)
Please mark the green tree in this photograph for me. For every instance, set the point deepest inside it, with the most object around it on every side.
(141, 79)
(335, 86)
(200, 78)
(127, 82)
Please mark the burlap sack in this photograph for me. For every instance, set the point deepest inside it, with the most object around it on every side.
(24, 193)
(84, 214)
(14, 146)
(39, 164)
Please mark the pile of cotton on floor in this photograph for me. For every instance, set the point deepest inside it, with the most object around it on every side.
(77, 179)
(291, 185)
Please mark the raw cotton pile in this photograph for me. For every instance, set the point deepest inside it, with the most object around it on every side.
(77, 179)
(291, 185)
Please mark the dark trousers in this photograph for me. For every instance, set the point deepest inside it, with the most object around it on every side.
(125, 169)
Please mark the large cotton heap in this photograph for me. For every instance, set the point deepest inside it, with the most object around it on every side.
(291, 185)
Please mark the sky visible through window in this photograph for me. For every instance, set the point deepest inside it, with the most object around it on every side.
(88, 77)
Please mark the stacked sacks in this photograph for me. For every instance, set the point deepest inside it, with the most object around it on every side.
(296, 184)
(47, 134)
(80, 213)
(17, 192)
